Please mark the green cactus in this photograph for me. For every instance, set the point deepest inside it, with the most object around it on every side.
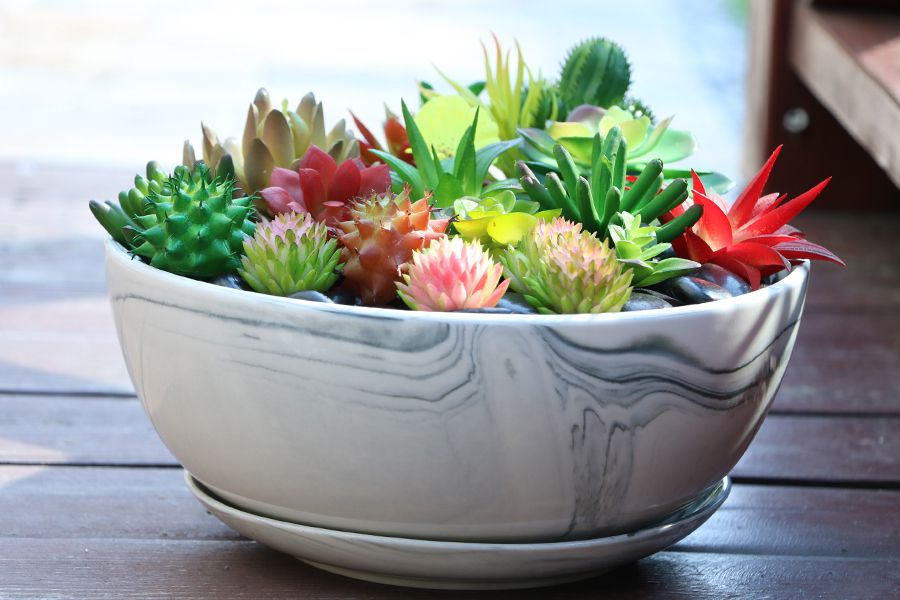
(193, 225)
(594, 201)
(596, 72)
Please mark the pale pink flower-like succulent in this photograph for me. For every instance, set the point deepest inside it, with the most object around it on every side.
(452, 274)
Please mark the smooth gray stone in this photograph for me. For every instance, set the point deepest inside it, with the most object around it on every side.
(662, 296)
(723, 277)
(516, 303)
(230, 281)
(693, 290)
(312, 296)
(641, 301)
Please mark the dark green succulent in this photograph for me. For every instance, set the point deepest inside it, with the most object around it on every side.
(595, 200)
(595, 72)
(193, 225)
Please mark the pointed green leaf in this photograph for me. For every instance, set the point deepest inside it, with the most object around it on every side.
(404, 171)
(421, 154)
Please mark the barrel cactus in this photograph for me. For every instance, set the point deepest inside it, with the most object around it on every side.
(193, 226)
(595, 72)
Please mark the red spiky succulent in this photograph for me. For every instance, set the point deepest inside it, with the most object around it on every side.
(751, 238)
(381, 235)
(322, 188)
(394, 134)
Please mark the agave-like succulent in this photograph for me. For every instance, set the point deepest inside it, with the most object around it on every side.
(382, 233)
(559, 268)
(132, 203)
(322, 188)
(451, 274)
(396, 138)
(463, 174)
(289, 254)
(273, 138)
(193, 225)
(595, 201)
(637, 247)
(752, 237)
(523, 100)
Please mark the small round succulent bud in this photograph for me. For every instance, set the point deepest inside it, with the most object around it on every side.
(451, 274)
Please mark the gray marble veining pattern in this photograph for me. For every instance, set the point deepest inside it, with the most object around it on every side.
(466, 427)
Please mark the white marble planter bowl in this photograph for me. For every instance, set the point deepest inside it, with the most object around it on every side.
(442, 426)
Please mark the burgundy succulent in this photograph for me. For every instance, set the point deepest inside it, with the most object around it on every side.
(322, 188)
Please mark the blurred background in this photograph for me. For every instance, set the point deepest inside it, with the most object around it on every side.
(104, 82)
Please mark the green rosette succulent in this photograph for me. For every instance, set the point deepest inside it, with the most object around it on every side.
(498, 220)
(192, 225)
(289, 254)
(559, 269)
(637, 247)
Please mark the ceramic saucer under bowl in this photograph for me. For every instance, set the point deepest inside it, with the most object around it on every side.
(462, 565)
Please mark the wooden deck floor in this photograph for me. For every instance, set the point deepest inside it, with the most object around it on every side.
(93, 506)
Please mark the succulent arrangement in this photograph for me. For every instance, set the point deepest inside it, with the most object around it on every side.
(517, 194)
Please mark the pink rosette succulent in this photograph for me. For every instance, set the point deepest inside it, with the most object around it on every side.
(322, 188)
(452, 274)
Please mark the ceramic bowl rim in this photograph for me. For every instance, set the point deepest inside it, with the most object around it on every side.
(794, 279)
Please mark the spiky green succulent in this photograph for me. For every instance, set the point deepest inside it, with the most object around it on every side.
(595, 72)
(192, 225)
(559, 268)
(289, 254)
(595, 200)
(272, 138)
(116, 217)
(637, 248)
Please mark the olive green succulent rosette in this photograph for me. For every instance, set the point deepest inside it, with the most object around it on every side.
(289, 254)
(561, 269)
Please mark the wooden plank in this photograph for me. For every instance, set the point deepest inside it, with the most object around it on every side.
(849, 60)
(89, 430)
(825, 449)
(137, 533)
(201, 570)
(152, 503)
(844, 363)
(103, 431)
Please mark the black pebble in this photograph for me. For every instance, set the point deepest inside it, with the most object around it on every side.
(312, 296)
(516, 303)
(230, 281)
(664, 297)
(640, 301)
(693, 290)
(721, 276)
(344, 297)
